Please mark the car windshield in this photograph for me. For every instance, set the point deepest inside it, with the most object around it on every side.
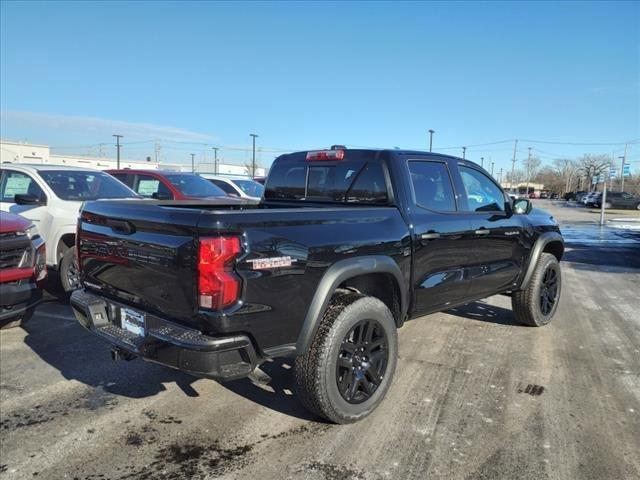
(251, 188)
(85, 185)
(193, 185)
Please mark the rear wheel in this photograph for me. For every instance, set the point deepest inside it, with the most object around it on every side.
(537, 303)
(349, 366)
(69, 271)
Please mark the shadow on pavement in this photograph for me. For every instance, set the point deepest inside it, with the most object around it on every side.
(277, 393)
(55, 336)
(484, 312)
(78, 355)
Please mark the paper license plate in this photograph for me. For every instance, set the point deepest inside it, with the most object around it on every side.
(132, 321)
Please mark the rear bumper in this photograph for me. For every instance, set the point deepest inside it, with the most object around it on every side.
(165, 342)
(18, 297)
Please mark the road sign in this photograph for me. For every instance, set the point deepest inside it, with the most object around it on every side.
(613, 172)
(594, 180)
(626, 170)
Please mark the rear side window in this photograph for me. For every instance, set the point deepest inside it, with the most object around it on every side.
(148, 186)
(432, 186)
(228, 189)
(340, 182)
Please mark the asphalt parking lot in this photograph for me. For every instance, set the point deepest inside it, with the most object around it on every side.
(475, 394)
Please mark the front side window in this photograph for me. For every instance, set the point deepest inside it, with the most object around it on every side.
(149, 187)
(17, 183)
(432, 186)
(482, 194)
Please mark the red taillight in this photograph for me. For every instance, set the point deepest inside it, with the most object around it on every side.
(218, 286)
(325, 155)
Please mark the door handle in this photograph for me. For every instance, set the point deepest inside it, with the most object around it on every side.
(482, 231)
(430, 236)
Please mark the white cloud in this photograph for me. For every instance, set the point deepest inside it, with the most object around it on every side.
(95, 126)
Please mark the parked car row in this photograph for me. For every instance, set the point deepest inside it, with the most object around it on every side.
(613, 200)
(50, 197)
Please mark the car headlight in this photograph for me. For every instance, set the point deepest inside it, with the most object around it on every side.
(31, 231)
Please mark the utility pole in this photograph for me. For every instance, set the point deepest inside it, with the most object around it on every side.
(193, 163)
(464, 152)
(253, 158)
(513, 166)
(431, 132)
(482, 162)
(624, 160)
(528, 170)
(492, 163)
(118, 137)
(500, 177)
(157, 150)
(215, 160)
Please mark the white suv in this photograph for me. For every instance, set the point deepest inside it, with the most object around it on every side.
(50, 196)
(242, 187)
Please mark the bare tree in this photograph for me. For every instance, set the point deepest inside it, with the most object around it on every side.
(566, 170)
(590, 166)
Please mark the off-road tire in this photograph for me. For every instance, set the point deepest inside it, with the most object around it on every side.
(67, 264)
(526, 303)
(315, 370)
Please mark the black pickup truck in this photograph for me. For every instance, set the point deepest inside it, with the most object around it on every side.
(345, 246)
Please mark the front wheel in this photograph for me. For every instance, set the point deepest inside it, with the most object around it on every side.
(69, 271)
(537, 303)
(349, 366)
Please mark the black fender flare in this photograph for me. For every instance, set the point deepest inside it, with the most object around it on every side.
(333, 277)
(538, 247)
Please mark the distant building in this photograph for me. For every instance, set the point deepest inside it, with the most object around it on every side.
(14, 152)
(521, 187)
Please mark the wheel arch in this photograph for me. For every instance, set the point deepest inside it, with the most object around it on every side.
(66, 241)
(375, 275)
(548, 242)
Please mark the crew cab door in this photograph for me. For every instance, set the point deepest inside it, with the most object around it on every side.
(497, 242)
(441, 237)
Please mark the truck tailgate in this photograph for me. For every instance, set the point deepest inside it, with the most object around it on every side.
(146, 260)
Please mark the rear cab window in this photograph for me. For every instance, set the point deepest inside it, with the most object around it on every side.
(358, 178)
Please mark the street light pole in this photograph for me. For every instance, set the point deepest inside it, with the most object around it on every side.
(482, 162)
(464, 152)
(492, 163)
(118, 137)
(193, 164)
(624, 160)
(513, 166)
(431, 132)
(215, 160)
(253, 160)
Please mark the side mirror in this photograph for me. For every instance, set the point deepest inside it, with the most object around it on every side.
(161, 196)
(27, 199)
(522, 206)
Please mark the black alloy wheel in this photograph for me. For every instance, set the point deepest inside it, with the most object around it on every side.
(549, 290)
(362, 361)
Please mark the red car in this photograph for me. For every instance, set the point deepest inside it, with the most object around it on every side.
(168, 185)
(22, 269)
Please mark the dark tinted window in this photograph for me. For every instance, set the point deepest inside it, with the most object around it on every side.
(225, 186)
(432, 186)
(340, 181)
(84, 185)
(483, 195)
(370, 186)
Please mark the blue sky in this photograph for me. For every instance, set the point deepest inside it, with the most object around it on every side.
(304, 75)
